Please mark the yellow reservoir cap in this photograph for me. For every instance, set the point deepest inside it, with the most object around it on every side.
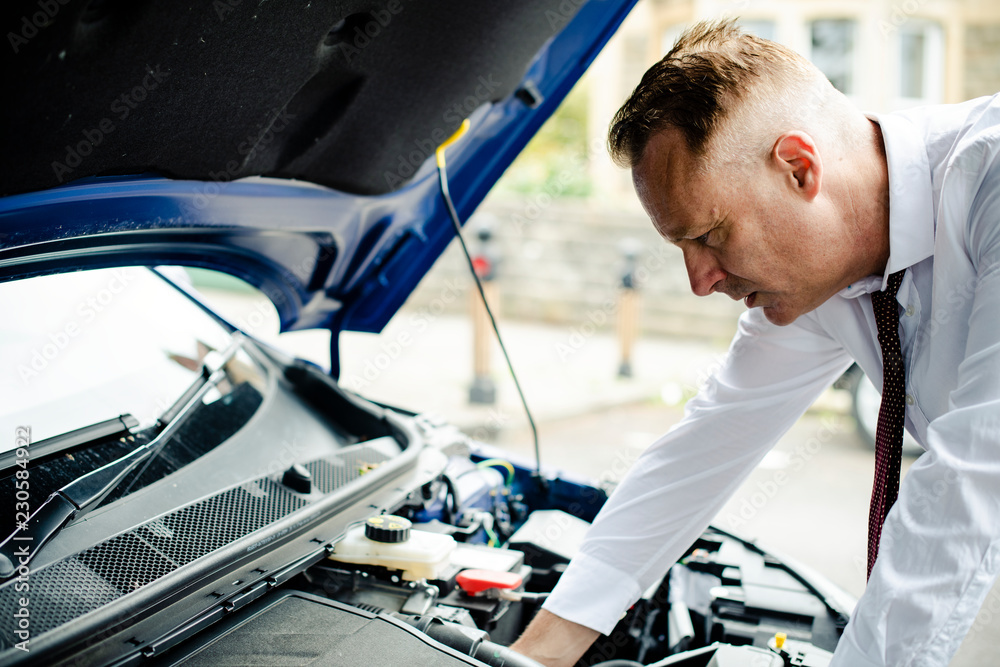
(779, 639)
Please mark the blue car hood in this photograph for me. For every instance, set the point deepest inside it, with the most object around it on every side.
(330, 205)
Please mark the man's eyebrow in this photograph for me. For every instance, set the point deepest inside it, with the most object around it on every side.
(664, 236)
(684, 233)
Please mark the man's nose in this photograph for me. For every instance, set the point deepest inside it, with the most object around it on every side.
(703, 269)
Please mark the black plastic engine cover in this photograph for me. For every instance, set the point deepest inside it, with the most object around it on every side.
(294, 628)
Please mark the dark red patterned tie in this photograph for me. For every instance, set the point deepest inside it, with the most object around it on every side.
(891, 414)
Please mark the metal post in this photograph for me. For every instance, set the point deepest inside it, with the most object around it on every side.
(483, 389)
(628, 306)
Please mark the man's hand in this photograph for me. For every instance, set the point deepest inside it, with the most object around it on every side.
(554, 641)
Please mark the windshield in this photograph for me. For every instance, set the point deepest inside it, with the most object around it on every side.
(83, 347)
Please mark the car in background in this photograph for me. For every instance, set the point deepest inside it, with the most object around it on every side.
(176, 492)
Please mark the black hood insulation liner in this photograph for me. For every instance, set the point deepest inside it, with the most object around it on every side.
(343, 93)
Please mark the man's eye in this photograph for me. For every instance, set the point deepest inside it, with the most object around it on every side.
(703, 239)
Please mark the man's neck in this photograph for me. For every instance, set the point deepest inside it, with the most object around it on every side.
(880, 198)
(866, 201)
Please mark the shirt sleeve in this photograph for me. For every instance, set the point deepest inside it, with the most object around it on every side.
(770, 376)
(940, 549)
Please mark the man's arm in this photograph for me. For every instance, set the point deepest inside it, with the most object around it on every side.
(554, 641)
(771, 375)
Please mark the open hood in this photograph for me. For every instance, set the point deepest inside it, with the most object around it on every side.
(287, 143)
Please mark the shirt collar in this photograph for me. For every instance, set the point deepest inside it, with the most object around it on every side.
(911, 203)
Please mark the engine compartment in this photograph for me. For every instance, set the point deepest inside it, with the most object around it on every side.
(725, 603)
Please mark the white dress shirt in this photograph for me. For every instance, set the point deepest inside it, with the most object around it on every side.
(940, 547)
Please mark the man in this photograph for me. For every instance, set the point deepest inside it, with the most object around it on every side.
(778, 192)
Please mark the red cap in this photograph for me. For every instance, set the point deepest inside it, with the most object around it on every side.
(477, 581)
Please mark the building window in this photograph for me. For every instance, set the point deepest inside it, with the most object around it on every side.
(636, 56)
(912, 61)
(761, 28)
(670, 37)
(920, 51)
(833, 51)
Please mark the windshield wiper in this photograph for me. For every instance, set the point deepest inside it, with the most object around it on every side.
(79, 437)
(86, 492)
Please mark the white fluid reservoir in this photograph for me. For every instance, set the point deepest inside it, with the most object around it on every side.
(387, 541)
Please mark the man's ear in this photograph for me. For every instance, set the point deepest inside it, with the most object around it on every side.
(795, 155)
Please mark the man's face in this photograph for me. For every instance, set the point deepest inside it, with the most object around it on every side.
(747, 232)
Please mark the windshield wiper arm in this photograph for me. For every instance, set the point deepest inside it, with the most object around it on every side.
(86, 492)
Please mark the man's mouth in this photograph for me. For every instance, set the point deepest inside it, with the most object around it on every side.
(749, 299)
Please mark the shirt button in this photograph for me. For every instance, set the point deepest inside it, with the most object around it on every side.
(909, 311)
(909, 399)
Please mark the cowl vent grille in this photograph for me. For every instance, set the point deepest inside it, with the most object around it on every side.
(77, 585)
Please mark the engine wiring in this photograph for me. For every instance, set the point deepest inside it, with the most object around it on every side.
(456, 221)
(487, 520)
(507, 465)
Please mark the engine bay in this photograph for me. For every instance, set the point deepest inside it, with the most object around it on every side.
(459, 570)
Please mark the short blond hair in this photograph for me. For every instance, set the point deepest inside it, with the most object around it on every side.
(723, 89)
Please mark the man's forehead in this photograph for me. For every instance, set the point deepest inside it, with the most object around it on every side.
(665, 148)
(667, 183)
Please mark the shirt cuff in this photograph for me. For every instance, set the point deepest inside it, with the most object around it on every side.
(593, 593)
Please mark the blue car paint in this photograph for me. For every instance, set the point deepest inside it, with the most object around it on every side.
(326, 259)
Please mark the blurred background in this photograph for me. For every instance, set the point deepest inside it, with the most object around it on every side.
(596, 310)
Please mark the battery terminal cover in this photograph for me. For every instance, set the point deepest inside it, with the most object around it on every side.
(474, 582)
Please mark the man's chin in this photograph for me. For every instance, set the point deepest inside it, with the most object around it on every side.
(779, 315)
(775, 307)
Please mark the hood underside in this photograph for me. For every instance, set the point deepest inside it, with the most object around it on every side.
(155, 133)
(327, 92)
